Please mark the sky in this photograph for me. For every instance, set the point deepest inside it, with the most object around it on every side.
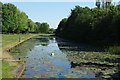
(50, 12)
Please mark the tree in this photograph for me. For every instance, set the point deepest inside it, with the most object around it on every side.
(8, 15)
(91, 25)
(61, 27)
(106, 3)
(98, 3)
(31, 26)
(44, 28)
(15, 21)
(22, 22)
(51, 30)
(1, 17)
(38, 27)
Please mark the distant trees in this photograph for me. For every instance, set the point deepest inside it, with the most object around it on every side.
(103, 3)
(1, 17)
(31, 26)
(38, 27)
(44, 28)
(98, 3)
(51, 31)
(91, 25)
(106, 3)
(15, 21)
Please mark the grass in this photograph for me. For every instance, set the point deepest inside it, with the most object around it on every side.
(0, 69)
(8, 41)
(7, 69)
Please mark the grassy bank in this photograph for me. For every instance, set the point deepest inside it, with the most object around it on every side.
(9, 41)
(7, 68)
(0, 69)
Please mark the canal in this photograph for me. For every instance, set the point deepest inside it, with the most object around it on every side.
(44, 57)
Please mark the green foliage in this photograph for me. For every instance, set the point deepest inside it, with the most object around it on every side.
(44, 28)
(15, 21)
(38, 27)
(98, 3)
(114, 50)
(31, 26)
(92, 25)
(9, 19)
(22, 21)
(105, 3)
(51, 31)
(61, 27)
(1, 17)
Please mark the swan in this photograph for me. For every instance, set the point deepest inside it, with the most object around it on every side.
(52, 54)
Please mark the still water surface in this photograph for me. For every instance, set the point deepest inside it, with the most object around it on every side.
(39, 63)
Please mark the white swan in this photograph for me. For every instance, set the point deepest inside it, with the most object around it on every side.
(52, 54)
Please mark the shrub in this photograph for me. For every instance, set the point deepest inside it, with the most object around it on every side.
(114, 50)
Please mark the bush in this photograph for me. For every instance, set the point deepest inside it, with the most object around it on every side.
(114, 50)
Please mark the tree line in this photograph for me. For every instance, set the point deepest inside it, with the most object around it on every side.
(92, 25)
(16, 21)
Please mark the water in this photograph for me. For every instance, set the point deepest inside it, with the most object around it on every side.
(39, 63)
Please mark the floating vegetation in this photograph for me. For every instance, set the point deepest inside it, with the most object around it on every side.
(70, 60)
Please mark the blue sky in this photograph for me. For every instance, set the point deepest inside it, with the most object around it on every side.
(50, 12)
